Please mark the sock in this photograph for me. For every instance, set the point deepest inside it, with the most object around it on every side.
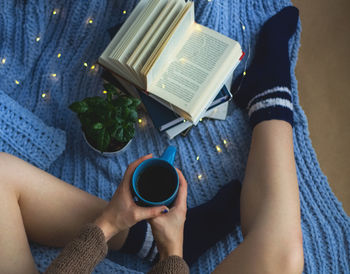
(265, 90)
(205, 225)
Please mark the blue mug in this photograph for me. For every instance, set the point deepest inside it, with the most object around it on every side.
(155, 167)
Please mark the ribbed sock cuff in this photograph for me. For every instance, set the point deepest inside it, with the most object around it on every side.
(272, 104)
(140, 242)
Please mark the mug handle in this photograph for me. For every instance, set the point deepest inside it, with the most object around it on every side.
(169, 154)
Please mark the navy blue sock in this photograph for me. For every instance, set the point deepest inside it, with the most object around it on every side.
(205, 225)
(265, 90)
(210, 222)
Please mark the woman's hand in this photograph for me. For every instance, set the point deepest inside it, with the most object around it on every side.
(122, 213)
(168, 229)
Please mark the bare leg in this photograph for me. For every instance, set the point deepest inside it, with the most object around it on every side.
(36, 204)
(270, 210)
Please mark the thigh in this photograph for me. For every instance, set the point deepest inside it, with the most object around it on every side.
(52, 210)
(15, 255)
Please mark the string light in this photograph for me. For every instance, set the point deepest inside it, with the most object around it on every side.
(53, 75)
(218, 148)
(59, 55)
(124, 11)
(104, 91)
(225, 142)
(85, 65)
(244, 73)
(140, 121)
(90, 21)
(3, 60)
(43, 95)
(93, 67)
(200, 176)
(37, 39)
(197, 158)
(54, 12)
(17, 82)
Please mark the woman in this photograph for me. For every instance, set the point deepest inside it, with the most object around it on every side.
(51, 212)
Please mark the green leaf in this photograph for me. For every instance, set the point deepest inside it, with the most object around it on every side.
(119, 134)
(125, 113)
(129, 132)
(110, 88)
(133, 116)
(103, 140)
(97, 126)
(79, 107)
(135, 102)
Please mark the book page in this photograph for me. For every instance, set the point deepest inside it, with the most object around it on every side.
(171, 40)
(148, 49)
(104, 60)
(158, 23)
(130, 41)
(197, 72)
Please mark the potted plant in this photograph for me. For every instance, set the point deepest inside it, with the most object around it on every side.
(108, 123)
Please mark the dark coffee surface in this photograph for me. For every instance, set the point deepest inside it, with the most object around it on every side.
(156, 183)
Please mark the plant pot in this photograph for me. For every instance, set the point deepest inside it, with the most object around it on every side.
(107, 153)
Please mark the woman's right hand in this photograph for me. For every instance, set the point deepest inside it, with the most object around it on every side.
(168, 229)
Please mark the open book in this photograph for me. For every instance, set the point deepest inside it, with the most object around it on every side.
(163, 51)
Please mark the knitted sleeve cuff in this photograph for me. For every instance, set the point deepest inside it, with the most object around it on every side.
(82, 254)
(25, 135)
(171, 265)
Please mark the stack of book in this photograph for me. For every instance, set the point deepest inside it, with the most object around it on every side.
(177, 67)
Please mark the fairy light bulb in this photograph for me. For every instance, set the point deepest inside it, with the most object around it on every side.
(59, 55)
(218, 149)
(43, 95)
(200, 176)
(244, 73)
(197, 158)
(243, 27)
(140, 121)
(54, 75)
(90, 21)
(104, 91)
(17, 82)
(54, 12)
(3, 60)
(93, 67)
(37, 38)
(225, 142)
(124, 11)
(85, 64)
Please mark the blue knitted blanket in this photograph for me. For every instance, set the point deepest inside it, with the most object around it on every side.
(47, 53)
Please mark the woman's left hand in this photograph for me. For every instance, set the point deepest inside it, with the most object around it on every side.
(122, 213)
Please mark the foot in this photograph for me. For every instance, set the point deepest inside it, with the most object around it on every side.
(267, 83)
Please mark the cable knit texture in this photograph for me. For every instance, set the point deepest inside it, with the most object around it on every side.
(25, 135)
(326, 230)
(82, 254)
(171, 265)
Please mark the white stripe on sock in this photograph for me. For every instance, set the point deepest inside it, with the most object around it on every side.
(147, 244)
(272, 102)
(154, 254)
(272, 90)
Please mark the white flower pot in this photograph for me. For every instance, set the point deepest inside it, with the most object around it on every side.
(107, 154)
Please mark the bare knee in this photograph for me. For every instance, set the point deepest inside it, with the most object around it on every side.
(290, 259)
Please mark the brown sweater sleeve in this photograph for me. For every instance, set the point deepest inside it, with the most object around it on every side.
(171, 265)
(82, 254)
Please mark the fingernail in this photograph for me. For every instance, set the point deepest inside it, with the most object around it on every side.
(165, 211)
